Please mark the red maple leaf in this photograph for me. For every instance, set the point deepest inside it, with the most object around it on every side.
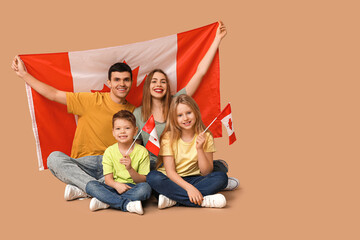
(135, 94)
(230, 124)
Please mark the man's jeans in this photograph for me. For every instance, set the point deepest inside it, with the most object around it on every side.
(108, 195)
(78, 171)
(207, 185)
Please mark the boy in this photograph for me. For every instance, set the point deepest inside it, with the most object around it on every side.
(124, 168)
(92, 137)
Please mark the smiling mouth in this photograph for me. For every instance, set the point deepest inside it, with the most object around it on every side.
(159, 90)
(121, 89)
(187, 123)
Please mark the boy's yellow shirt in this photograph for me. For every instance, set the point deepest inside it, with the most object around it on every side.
(140, 162)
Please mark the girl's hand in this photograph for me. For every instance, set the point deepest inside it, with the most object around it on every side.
(200, 140)
(126, 161)
(195, 195)
(221, 30)
(18, 66)
(121, 187)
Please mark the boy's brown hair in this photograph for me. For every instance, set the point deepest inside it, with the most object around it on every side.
(124, 114)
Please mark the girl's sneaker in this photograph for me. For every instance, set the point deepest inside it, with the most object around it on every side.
(214, 201)
(233, 184)
(165, 202)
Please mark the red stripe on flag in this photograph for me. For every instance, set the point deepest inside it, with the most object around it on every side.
(152, 148)
(192, 46)
(54, 70)
(232, 138)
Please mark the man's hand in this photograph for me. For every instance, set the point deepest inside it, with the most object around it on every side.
(18, 66)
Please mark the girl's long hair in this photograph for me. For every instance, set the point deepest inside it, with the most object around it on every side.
(147, 99)
(172, 126)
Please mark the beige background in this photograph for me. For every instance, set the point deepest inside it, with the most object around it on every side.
(290, 70)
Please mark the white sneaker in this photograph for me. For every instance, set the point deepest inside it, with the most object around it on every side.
(165, 202)
(96, 204)
(214, 201)
(72, 192)
(135, 207)
(233, 184)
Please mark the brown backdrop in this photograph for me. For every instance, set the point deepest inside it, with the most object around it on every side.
(290, 70)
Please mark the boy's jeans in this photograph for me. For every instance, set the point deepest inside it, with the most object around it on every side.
(108, 195)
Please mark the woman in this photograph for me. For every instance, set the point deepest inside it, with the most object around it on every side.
(157, 98)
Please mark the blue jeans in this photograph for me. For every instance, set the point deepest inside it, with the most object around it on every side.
(207, 185)
(108, 195)
(78, 171)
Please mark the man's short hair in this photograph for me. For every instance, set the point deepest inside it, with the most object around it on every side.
(124, 114)
(119, 67)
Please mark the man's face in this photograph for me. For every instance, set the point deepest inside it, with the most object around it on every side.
(120, 84)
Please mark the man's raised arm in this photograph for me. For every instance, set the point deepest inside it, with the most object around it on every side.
(43, 89)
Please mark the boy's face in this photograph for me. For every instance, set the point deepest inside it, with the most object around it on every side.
(120, 84)
(124, 131)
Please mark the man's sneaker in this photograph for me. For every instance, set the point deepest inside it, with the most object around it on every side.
(165, 202)
(135, 207)
(96, 204)
(214, 201)
(233, 184)
(72, 192)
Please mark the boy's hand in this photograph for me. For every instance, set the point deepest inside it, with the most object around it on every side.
(121, 187)
(126, 161)
(200, 140)
(18, 66)
(195, 195)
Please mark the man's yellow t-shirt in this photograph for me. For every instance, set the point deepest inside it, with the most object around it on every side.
(94, 126)
(185, 154)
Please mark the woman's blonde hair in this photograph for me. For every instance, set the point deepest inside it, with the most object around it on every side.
(173, 128)
(147, 99)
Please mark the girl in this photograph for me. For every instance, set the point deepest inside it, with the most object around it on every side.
(186, 157)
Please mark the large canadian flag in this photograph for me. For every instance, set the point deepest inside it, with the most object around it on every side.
(85, 71)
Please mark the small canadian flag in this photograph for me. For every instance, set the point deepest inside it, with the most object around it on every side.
(226, 118)
(153, 143)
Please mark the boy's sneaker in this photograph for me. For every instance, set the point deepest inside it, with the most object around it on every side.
(233, 184)
(96, 204)
(165, 202)
(135, 207)
(214, 201)
(72, 192)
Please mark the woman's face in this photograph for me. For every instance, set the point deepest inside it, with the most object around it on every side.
(158, 86)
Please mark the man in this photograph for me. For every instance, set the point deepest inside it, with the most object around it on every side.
(93, 132)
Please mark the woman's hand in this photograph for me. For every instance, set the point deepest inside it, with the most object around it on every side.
(221, 30)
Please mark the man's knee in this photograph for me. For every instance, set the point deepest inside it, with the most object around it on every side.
(54, 159)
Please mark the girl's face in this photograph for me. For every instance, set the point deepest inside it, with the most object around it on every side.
(185, 117)
(158, 85)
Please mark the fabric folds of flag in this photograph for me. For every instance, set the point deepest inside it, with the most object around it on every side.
(226, 118)
(177, 55)
(153, 144)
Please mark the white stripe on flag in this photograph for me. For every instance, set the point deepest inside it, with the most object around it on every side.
(89, 68)
(226, 121)
(154, 138)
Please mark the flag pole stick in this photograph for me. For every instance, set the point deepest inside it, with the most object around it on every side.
(210, 125)
(133, 143)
